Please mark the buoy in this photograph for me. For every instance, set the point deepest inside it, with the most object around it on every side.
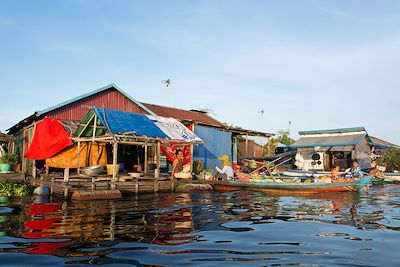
(41, 191)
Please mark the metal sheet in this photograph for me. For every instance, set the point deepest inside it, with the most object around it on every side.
(342, 148)
(324, 141)
(217, 143)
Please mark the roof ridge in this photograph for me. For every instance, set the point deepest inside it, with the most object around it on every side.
(187, 110)
(91, 93)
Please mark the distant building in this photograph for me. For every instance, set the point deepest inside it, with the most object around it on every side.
(339, 147)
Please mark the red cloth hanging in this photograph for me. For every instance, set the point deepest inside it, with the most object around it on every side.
(169, 151)
(50, 138)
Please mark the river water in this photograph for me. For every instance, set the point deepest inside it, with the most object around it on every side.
(233, 229)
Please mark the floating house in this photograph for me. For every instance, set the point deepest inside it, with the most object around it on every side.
(338, 147)
(218, 138)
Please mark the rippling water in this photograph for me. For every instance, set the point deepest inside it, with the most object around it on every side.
(237, 228)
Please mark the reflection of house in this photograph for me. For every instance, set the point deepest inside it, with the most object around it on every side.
(337, 147)
(219, 138)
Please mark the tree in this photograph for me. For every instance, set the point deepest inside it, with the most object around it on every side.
(391, 159)
(282, 137)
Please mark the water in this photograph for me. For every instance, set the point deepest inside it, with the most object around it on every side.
(214, 229)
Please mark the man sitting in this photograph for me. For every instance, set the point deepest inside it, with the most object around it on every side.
(227, 171)
(179, 170)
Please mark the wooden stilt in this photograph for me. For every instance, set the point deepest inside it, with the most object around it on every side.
(145, 167)
(115, 158)
(34, 169)
(157, 173)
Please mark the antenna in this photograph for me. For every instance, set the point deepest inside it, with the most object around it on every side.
(166, 82)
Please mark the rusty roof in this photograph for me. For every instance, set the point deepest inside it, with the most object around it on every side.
(184, 115)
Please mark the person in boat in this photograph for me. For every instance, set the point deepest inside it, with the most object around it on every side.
(227, 171)
(335, 173)
(179, 170)
(355, 171)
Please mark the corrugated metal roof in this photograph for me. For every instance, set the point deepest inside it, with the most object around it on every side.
(88, 94)
(381, 143)
(339, 130)
(324, 141)
(182, 114)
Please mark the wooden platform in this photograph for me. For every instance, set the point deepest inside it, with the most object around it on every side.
(18, 177)
(124, 183)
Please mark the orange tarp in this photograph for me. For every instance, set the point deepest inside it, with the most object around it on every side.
(90, 154)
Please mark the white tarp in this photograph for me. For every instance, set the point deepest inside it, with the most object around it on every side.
(174, 129)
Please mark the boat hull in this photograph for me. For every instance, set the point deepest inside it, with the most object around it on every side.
(295, 188)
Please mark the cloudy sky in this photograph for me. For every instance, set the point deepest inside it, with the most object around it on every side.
(319, 64)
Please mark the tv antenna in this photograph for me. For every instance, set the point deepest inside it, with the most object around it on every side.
(167, 82)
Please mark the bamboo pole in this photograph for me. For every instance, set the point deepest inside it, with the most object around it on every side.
(246, 146)
(87, 124)
(191, 152)
(94, 127)
(78, 160)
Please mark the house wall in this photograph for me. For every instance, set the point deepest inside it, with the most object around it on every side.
(217, 143)
(110, 99)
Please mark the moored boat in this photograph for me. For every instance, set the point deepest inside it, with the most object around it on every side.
(295, 188)
(387, 178)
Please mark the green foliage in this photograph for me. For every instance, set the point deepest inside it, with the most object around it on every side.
(14, 189)
(8, 159)
(391, 159)
(282, 137)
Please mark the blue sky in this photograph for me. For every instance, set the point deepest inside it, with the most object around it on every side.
(319, 64)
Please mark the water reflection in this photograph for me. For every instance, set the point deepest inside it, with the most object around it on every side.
(178, 229)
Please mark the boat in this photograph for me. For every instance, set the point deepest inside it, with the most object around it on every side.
(387, 178)
(290, 187)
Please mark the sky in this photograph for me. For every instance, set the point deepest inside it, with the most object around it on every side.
(318, 64)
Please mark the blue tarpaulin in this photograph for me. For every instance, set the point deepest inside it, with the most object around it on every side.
(126, 122)
(217, 143)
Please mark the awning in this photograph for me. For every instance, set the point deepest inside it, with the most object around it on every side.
(326, 141)
(131, 124)
(342, 148)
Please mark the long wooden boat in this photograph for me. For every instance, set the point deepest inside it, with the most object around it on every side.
(296, 188)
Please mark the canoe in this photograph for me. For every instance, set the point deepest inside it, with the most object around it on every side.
(296, 188)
